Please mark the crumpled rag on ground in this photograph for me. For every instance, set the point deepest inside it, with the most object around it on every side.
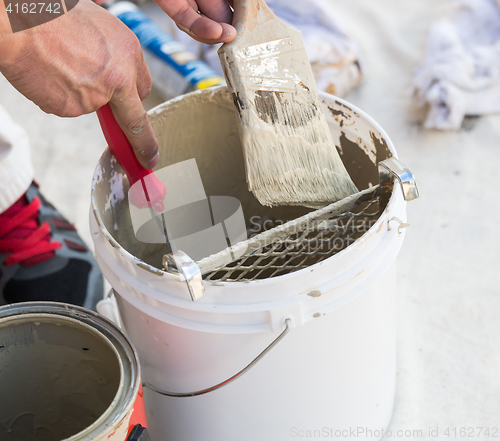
(461, 73)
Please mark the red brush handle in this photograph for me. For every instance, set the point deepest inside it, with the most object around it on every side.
(120, 146)
(152, 191)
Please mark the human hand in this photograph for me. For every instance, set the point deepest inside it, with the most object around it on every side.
(75, 64)
(207, 21)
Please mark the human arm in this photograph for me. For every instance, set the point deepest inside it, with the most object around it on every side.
(85, 58)
(78, 62)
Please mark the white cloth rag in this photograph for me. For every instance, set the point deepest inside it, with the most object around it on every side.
(334, 56)
(461, 73)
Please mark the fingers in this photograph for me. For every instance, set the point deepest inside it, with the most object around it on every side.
(228, 34)
(134, 122)
(216, 10)
(201, 27)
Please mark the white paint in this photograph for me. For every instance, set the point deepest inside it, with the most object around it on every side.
(336, 367)
(117, 193)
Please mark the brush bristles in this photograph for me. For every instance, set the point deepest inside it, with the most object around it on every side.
(311, 175)
(295, 164)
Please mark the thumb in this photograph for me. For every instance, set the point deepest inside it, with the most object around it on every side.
(133, 120)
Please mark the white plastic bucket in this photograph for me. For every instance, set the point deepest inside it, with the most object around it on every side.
(332, 375)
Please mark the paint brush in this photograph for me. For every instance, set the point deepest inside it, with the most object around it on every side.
(290, 156)
(151, 194)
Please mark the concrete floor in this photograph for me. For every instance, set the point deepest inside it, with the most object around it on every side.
(449, 296)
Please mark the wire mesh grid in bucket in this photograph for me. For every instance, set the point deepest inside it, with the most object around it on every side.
(311, 243)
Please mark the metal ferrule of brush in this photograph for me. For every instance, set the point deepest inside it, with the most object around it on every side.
(261, 65)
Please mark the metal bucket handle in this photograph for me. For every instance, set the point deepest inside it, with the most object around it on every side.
(109, 309)
(229, 380)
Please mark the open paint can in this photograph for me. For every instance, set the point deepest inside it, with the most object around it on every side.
(67, 373)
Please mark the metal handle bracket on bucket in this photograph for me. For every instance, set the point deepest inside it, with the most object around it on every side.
(229, 380)
(391, 168)
(189, 269)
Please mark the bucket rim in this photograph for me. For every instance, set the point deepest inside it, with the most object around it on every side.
(130, 371)
(324, 97)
